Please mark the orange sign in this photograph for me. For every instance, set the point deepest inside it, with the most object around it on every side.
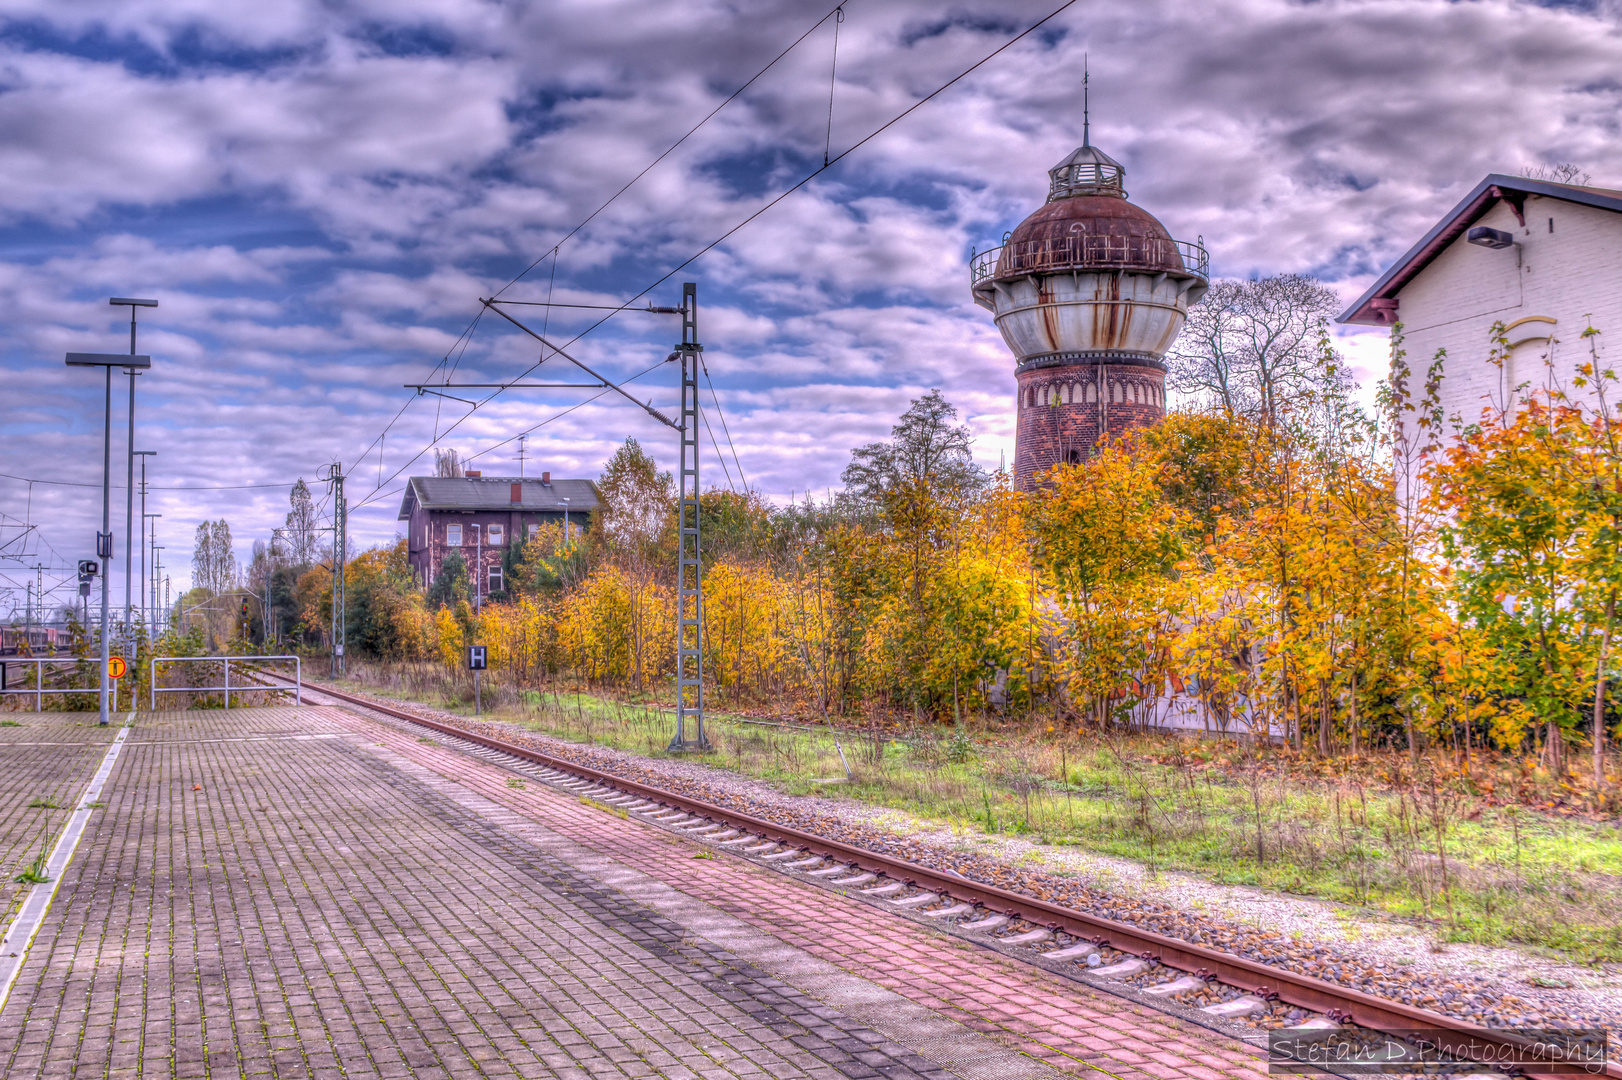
(116, 667)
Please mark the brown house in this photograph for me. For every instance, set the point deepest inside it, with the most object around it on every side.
(481, 515)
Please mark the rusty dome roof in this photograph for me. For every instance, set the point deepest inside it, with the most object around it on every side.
(1089, 232)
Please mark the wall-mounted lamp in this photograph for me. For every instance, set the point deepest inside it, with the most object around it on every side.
(1484, 236)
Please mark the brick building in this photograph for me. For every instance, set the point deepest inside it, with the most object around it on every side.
(1089, 292)
(481, 515)
(1542, 258)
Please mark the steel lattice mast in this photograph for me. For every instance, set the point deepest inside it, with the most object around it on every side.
(689, 551)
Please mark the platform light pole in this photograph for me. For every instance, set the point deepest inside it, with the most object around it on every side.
(129, 483)
(104, 539)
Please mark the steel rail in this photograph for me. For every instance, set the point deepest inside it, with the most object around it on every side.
(1303, 991)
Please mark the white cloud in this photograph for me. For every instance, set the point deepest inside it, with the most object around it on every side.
(319, 193)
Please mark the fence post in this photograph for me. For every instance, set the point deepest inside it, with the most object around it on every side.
(39, 686)
(152, 683)
(298, 681)
(227, 684)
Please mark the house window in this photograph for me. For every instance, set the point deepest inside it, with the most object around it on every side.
(495, 578)
(453, 535)
(533, 529)
(494, 535)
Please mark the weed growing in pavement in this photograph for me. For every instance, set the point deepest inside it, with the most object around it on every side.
(704, 855)
(34, 872)
(515, 783)
(1426, 843)
(426, 739)
(9, 723)
(43, 804)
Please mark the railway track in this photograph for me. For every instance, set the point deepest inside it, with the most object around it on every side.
(1111, 955)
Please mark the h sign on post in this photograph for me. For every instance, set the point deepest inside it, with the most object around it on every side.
(475, 664)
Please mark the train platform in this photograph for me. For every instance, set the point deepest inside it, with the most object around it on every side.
(310, 892)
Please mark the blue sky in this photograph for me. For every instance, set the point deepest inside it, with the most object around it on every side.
(318, 193)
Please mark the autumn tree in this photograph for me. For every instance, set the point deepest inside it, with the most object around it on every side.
(302, 529)
(1255, 348)
(214, 563)
(1533, 503)
(927, 452)
(451, 585)
(448, 463)
(635, 526)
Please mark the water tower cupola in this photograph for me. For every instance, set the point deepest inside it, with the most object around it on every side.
(1089, 292)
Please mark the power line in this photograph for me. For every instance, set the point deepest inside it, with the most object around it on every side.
(150, 487)
(553, 250)
(812, 175)
(373, 495)
(673, 146)
(705, 369)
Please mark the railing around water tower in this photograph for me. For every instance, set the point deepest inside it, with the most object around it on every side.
(1150, 254)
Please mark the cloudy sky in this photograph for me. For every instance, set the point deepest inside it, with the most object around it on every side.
(319, 191)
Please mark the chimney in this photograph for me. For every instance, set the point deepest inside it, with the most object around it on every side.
(546, 479)
(473, 474)
(517, 494)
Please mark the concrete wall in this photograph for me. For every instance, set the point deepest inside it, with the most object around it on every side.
(1571, 275)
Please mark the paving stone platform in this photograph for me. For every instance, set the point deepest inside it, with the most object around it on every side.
(306, 892)
(45, 762)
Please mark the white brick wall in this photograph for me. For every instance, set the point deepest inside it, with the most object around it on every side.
(1572, 275)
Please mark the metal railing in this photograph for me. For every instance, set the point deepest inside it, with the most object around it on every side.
(1090, 252)
(38, 690)
(298, 677)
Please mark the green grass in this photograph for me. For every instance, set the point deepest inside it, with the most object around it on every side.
(1436, 854)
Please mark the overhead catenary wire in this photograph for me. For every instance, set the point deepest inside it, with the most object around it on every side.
(468, 331)
(723, 416)
(836, 10)
(833, 79)
(375, 496)
(773, 202)
(150, 487)
(718, 455)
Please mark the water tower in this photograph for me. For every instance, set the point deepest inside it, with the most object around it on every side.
(1089, 292)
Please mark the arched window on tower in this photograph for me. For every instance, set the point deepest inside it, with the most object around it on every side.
(1073, 457)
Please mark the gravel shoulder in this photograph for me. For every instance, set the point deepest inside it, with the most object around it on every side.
(1353, 946)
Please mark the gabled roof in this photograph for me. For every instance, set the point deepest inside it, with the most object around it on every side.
(495, 493)
(1496, 187)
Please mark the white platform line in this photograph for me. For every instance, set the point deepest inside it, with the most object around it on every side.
(14, 947)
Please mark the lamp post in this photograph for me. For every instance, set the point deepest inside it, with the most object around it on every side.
(129, 483)
(104, 539)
